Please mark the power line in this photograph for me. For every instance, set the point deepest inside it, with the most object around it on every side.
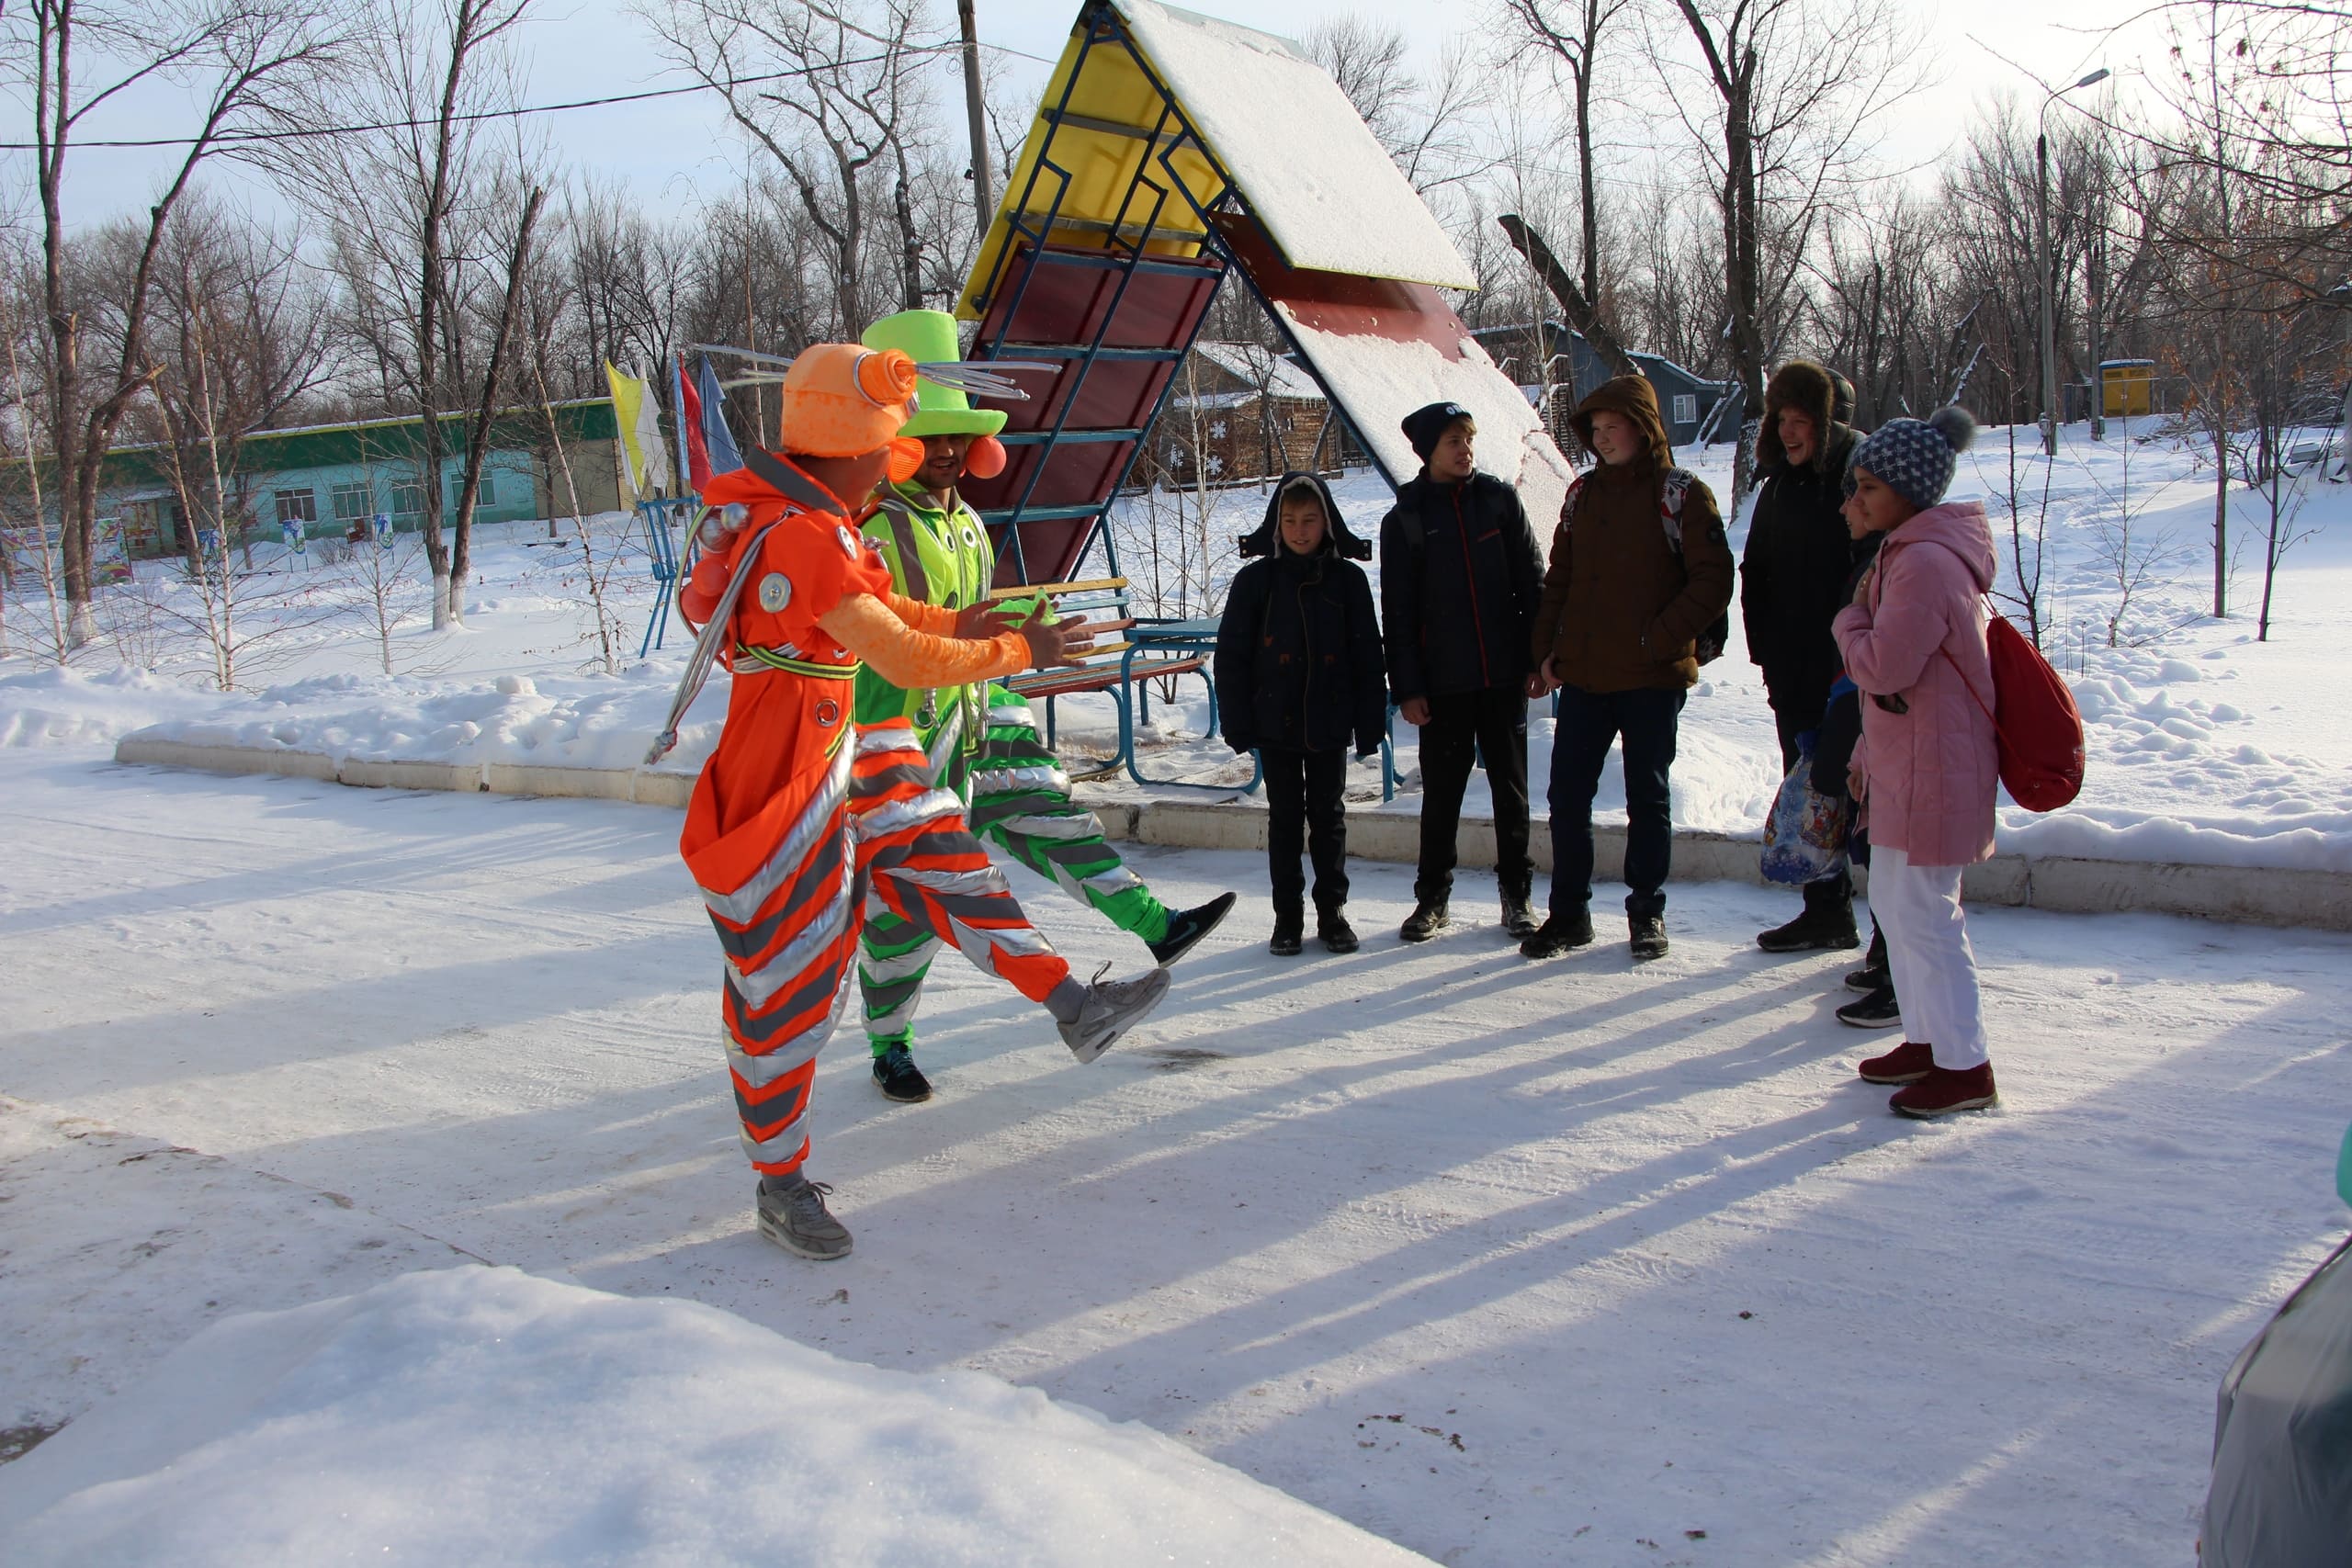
(312, 132)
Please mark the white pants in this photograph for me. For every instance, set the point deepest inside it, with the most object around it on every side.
(1927, 947)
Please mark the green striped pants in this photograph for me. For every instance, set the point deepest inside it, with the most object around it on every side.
(1020, 801)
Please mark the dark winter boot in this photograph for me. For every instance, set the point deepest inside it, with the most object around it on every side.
(1873, 974)
(1908, 1063)
(1518, 919)
(1828, 922)
(1946, 1089)
(1563, 930)
(1428, 918)
(1877, 1010)
(897, 1076)
(791, 1213)
(1649, 937)
(1289, 927)
(1186, 927)
(1331, 929)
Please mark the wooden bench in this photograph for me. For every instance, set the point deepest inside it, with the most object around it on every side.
(1153, 647)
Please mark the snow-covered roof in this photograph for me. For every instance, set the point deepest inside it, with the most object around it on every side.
(1327, 192)
(1262, 367)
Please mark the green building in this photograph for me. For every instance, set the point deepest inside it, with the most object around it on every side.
(330, 479)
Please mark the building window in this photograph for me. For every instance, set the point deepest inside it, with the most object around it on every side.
(350, 501)
(485, 493)
(1686, 408)
(298, 506)
(408, 497)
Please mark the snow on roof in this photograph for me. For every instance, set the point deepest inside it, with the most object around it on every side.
(1379, 380)
(1327, 191)
(1262, 367)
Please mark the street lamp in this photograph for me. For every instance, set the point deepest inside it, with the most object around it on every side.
(2048, 325)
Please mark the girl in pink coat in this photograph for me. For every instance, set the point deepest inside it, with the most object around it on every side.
(1929, 764)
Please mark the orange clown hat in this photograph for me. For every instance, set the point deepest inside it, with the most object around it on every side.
(842, 400)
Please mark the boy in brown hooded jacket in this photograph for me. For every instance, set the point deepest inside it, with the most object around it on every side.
(1640, 574)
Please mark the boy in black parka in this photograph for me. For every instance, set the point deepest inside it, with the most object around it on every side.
(1300, 681)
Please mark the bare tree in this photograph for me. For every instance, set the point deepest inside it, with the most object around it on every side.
(1571, 30)
(234, 54)
(1780, 130)
(429, 305)
(848, 97)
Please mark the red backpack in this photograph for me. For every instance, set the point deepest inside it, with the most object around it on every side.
(2034, 719)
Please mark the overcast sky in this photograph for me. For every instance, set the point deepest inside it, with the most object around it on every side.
(661, 150)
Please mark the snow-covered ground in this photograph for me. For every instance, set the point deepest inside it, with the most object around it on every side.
(1507, 1263)
(2205, 744)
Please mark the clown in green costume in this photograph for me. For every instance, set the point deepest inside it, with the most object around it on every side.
(982, 741)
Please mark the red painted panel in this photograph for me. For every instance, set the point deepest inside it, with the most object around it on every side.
(1341, 302)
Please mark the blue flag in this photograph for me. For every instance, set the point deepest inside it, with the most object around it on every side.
(724, 457)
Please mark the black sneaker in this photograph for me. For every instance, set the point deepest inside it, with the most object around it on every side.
(1331, 929)
(1428, 918)
(1868, 979)
(1186, 927)
(1519, 920)
(1558, 933)
(898, 1078)
(1877, 1010)
(1649, 937)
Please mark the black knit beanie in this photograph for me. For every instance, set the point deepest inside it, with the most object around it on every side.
(1425, 425)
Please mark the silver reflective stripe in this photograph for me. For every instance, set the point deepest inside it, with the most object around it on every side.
(978, 882)
(1019, 717)
(742, 906)
(906, 966)
(1019, 941)
(773, 1149)
(913, 581)
(1013, 781)
(1081, 826)
(758, 989)
(761, 1071)
(1117, 879)
(892, 816)
(888, 738)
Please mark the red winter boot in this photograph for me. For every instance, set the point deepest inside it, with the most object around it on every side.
(1946, 1089)
(1908, 1063)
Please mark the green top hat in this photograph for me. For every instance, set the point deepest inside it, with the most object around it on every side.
(929, 336)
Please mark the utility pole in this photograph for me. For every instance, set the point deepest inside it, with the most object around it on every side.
(982, 201)
(2049, 307)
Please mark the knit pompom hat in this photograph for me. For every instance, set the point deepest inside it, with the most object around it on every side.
(1915, 457)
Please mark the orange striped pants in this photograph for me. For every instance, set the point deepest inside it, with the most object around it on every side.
(877, 835)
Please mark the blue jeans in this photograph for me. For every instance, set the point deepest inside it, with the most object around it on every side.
(1588, 722)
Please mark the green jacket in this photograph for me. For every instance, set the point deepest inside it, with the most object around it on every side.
(940, 558)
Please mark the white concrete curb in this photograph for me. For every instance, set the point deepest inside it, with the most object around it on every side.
(2249, 894)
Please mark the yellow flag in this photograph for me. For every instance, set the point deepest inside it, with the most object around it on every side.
(635, 411)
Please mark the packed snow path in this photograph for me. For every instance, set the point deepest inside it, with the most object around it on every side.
(1510, 1263)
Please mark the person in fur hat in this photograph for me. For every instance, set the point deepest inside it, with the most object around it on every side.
(801, 821)
(1928, 764)
(1640, 575)
(1300, 681)
(1794, 576)
(982, 737)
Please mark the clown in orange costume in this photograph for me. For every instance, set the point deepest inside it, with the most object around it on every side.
(800, 824)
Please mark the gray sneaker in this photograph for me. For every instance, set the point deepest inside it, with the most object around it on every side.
(1110, 1009)
(793, 1215)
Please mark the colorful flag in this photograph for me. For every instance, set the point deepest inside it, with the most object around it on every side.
(717, 438)
(635, 411)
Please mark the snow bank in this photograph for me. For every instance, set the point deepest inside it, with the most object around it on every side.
(481, 1415)
(67, 707)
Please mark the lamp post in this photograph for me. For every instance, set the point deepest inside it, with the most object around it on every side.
(983, 200)
(2049, 323)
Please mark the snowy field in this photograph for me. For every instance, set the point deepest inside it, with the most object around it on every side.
(1502, 1263)
(1506, 1263)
